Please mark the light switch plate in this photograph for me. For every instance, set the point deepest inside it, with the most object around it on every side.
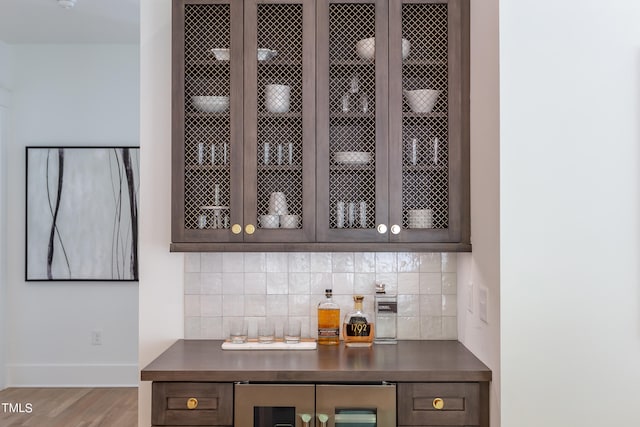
(483, 303)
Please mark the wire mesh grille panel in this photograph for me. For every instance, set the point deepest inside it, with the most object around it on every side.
(352, 103)
(279, 135)
(425, 175)
(207, 140)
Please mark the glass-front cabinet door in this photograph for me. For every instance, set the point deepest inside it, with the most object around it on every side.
(207, 121)
(279, 58)
(244, 124)
(427, 83)
(352, 121)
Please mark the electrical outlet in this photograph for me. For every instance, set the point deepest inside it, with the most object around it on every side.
(96, 337)
(470, 297)
(483, 303)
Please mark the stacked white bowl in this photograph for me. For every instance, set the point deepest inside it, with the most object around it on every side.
(420, 218)
(210, 104)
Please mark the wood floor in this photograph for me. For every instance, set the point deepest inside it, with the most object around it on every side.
(69, 407)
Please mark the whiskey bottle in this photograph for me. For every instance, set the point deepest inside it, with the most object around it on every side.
(358, 327)
(328, 320)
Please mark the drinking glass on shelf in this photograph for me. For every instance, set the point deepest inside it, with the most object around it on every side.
(292, 331)
(340, 214)
(352, 214)
(266, 331)
(363, 214)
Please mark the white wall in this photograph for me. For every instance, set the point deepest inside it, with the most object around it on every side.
(5, 86)
(481, 268)
(161, 272)
(570, 212)
(68, 95)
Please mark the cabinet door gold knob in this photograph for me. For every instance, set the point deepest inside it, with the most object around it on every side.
(395, 229)
(192, 403)
(236, 228)
(382, 228)
(438, 403)
(250, 229)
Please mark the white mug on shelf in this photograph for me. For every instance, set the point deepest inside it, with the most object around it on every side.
(278, 204)
(277, 98)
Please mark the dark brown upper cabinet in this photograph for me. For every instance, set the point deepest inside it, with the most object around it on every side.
(350, 117)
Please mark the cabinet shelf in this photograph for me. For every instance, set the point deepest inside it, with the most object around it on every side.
(280, 168)
(425, 115)
(265, 115)
(281, 63)
(358, 115)
(423, 168)
(352, 168)
(352, 62)
(207, 167)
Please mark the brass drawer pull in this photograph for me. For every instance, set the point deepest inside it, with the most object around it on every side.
(438, 403)
(192, 403)
(250, 229)
(236, 228)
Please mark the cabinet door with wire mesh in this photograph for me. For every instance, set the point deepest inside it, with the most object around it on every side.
(207, 120)
(428, 123)
(279, 113)
(352, 121)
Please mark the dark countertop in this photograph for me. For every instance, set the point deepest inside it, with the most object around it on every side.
(408, 361)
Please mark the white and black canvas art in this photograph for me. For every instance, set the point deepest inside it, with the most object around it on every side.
(82, 213)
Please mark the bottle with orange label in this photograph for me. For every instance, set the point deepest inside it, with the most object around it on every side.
(328, 320)
(358, 326)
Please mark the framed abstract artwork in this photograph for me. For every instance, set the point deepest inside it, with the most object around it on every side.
(82, 213)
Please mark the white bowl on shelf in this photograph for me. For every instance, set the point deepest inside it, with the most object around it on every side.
(352, 157)
(421, 100)
(221, 54)
(210, 104)
(366, 48)
(266, 54)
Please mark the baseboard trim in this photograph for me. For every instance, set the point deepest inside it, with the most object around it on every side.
(72, 375)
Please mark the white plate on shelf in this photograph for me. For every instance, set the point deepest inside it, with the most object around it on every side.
(221, 54)
(219, 208)
(266, 54)
(352, 157)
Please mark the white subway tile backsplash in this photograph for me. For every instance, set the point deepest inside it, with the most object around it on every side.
(255, 283)
(192, 305)
(192, 283)
(430, 263)
(431, 283)
(277, 305)
(408, 262)
(386, 262)
(277, 262)
(255, 262)
(299, 262)
(255, 305)
(233, 305)
(211, 262)
(233, 262)
(211, 305)
(277, 286)
(408, 283)
(409, 305)
(342, 262)
(233, 283)
(298, 305)
(299, 283)
(449, 305)
(408, 328)
(211, 283)
(430, 327)
(431, 305)
(192, 262)
(211, 328)
(277, 283)
(449, 284)
(343, 283)
(320, 262)
(449, 262)
(364, 283)
(365, 262)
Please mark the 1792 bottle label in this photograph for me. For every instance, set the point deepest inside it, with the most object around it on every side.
(358, 327)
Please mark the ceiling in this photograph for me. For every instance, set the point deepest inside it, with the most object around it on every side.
(90, 21)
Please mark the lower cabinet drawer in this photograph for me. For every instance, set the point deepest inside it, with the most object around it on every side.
(438, 404)
(192, 404)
